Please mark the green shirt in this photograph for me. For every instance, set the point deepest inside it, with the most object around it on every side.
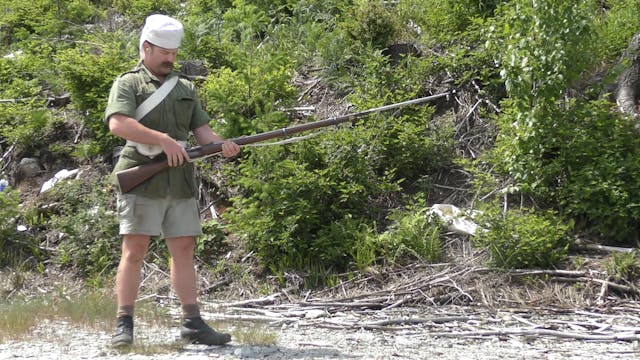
(177, 115)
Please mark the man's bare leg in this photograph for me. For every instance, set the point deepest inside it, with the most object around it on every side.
(183, 272)
(183, 279)
(134, 249)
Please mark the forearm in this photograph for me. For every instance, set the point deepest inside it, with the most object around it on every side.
(130, 129)
(204, 135)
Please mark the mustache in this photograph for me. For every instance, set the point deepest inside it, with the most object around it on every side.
(168, 64)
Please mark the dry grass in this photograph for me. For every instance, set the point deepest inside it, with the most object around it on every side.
(19, 315)
(29, 299)
(255, 335)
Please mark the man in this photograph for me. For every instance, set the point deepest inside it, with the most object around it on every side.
(164, 205)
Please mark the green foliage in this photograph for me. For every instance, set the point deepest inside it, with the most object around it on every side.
(88, 72)
(585, 164)
(29, 131)
(211, 244)
(11, 241)
(575, 154)
(623, 266)
(414, 235)
(617, 26)
(85, 226)
(296, 214)
(245, 98)
(372, 23)
(140, 9)
(23, 71)
(523, 238)
(408, 143)
(442, 20)
(595, 171)
(19, 19)
(545, 45)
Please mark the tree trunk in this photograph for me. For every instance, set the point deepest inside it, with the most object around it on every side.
(629, 79)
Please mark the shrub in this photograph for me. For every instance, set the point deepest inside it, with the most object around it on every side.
(140, 9)
(623, 266)
(618, 25)
(49, 18)
(523, 238)
(442, 20)
(414, 235)
(211, 244)
(372, 23)
(88, 72)
(85, 226)
(595, 171)
(245, 99)
(299, 207)
(12, 242)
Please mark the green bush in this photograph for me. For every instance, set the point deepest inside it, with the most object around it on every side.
(617, 26)
(298, 205)
(245, 99)
(413, 235)
(88, 72)
(140, 9)
(595, 171)
(623, 266)
(442, 20)
(407, 142)
(10, 238)
(523, 238)
(211, 244)
(21, 19)
(85, 226)
(372, 23)
(577, 156)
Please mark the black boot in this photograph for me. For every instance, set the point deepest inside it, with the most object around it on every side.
(196, 331)
(124, 332)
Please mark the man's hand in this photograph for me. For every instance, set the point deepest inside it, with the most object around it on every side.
(230, 149)
(175, 152)
(204, 135)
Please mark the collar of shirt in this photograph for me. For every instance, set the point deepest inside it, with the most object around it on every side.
(148, 76)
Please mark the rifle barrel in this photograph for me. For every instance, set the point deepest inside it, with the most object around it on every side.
(130, 178)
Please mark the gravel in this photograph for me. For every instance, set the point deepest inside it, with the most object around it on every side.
(468, 335)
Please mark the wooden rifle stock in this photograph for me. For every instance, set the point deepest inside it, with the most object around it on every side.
(132, 177)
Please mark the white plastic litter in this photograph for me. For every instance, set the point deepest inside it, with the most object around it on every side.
(60, 175)
(457, 220)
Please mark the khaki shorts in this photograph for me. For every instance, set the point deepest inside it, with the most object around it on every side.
(164, 217)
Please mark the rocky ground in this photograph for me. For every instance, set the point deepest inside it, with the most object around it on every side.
(409, 333)
(421, 311)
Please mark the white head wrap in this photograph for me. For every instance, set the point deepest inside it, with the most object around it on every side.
(163, 31)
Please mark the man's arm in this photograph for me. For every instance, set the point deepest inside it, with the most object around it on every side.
(204, 135)
(130, 129)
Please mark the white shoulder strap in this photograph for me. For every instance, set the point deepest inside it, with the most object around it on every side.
(155, 98)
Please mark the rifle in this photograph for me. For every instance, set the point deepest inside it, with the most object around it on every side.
(132, 177)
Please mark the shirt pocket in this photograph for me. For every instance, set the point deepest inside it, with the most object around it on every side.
(184, 108)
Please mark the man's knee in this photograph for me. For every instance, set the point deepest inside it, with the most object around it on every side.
(184, 246)
(134, 248)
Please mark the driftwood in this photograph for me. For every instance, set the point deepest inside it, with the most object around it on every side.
(477, 325)
(53, 101)
(404, 304)
(582, 245)
(6, 157)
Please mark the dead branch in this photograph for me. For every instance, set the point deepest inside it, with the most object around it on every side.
(624, 336)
